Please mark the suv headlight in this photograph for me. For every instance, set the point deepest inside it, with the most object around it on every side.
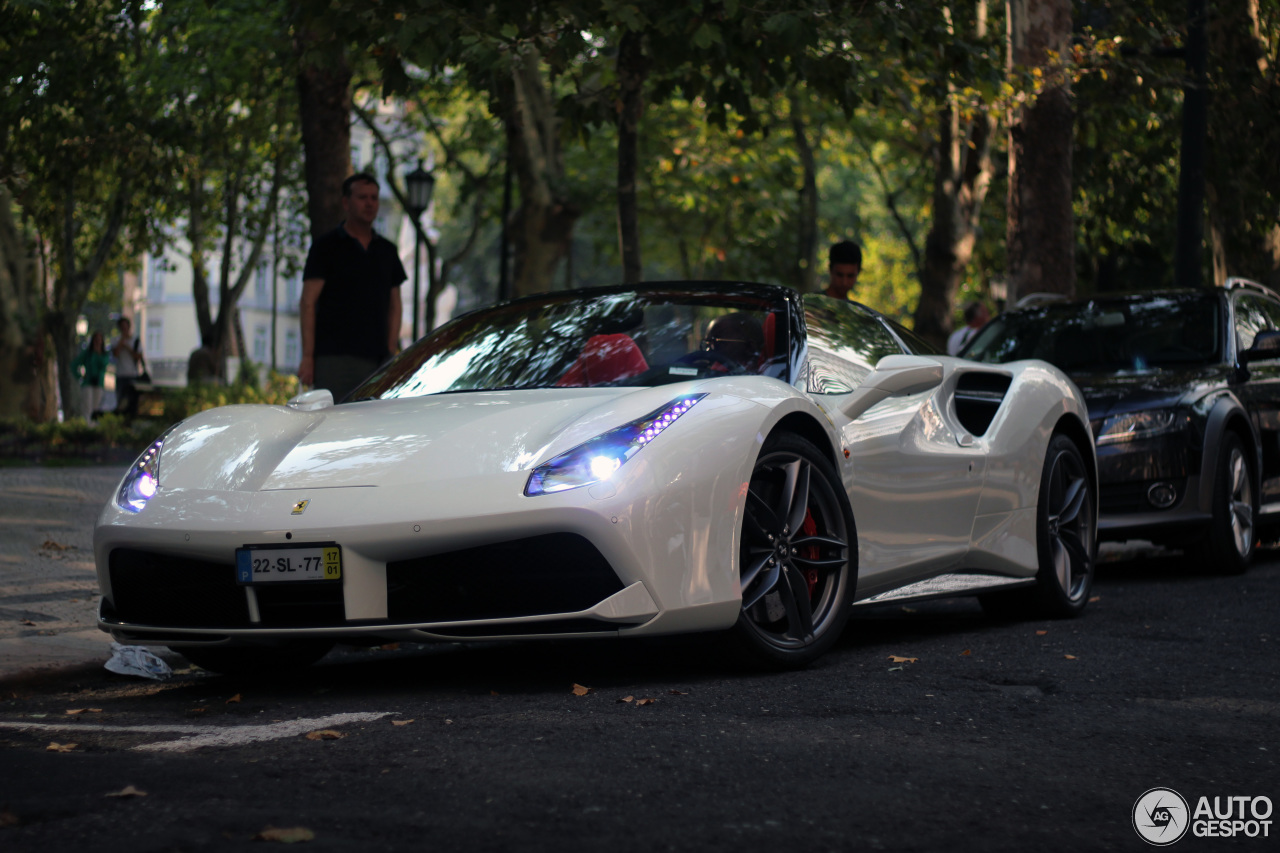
(1138, 425)
(143, 479)
(596, 460)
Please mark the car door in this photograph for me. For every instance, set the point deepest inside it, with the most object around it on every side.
(1260, 392)
(913, 487)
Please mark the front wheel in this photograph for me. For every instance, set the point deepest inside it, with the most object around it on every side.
(798, 558)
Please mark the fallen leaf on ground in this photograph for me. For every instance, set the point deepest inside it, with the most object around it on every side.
(898, 659)
(579, 690)
(448, 722)
(54, 746)
(235, 698)
(896, 668)
(50, 545)
(1069, 657)
(1041, 633)
(645, 701)
(289, 835)
(401, 722)
(325, 734)
(967, 652)
(627, 699)
(26, 622)
(678, 692)
(909, 610)
(389, 647)
(494, 693)
(1096, 598)
(8, 818)
(84, 710)
(127, 791)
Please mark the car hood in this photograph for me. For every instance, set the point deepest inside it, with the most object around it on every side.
(392, 442)
(1117, 393)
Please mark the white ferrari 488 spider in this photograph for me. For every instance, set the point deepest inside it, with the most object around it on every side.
(628, 461)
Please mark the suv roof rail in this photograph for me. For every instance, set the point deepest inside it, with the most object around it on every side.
(1033, 299)
(1238, 283)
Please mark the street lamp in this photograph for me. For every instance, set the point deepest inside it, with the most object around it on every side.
(420, 185)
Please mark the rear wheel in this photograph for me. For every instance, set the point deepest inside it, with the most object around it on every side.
(798, 556)
(1066, 540)
(256, 660)
(1229, 548)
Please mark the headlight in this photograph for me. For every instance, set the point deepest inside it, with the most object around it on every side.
(596, 460)
(143, 479)
(1137, 425)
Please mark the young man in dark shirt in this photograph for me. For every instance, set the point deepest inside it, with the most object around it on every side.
(350, 303)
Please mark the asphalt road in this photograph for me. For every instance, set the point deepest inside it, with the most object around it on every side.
(988, 737)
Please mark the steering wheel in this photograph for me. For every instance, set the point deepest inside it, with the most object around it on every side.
(709, 359)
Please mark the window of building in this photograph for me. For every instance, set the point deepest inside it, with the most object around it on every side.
(291, 353)
(155, 336)
(155, 279)
(262, 285)
(292, 291)
(260, 343)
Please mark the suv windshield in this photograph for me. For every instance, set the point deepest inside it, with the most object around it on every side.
(577, 340)
(1108, 335)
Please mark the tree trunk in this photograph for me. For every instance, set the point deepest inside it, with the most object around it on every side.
(324, 104)
(546, 217)
(962, 175)
(632, 69)
(806, 276)
(26, 369)
(1041, 239)
(1243, 171)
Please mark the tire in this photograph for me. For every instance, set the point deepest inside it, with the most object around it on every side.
(256, 660)
(1066, 541)
(1232, 532)
(798, 558)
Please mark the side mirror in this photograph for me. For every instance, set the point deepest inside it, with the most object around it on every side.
(1265, 346)
(894, 376)
(312, 401)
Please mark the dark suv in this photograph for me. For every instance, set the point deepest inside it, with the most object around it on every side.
(1183, 389)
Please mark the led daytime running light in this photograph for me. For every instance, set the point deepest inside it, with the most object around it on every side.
(143, 479)
(596, 460)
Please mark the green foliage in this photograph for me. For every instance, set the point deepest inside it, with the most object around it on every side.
(182, 403)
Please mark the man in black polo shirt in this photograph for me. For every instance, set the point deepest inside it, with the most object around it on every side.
(350, 303)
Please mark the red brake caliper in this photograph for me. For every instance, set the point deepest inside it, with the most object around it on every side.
(810, 528)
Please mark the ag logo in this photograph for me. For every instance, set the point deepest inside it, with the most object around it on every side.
(1161, 816)
(300, 507)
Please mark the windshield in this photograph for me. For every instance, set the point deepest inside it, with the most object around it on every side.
(594, 339)
(1108, 335)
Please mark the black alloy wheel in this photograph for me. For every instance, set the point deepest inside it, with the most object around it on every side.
(1232, 534)
(1066, 540)
(798, 557)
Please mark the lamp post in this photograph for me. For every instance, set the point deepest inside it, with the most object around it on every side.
(420, 184)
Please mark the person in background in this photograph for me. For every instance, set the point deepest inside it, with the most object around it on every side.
(976, 316)
(844, 263)
(91, 367)
(127, 353)
(350, 302)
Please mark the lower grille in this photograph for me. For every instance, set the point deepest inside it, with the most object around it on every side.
(178, 592)
(554, 573)
(175, 592)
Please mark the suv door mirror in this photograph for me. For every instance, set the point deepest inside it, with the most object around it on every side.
(1265, 346)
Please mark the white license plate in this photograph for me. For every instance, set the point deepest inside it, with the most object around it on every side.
(292, 563)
